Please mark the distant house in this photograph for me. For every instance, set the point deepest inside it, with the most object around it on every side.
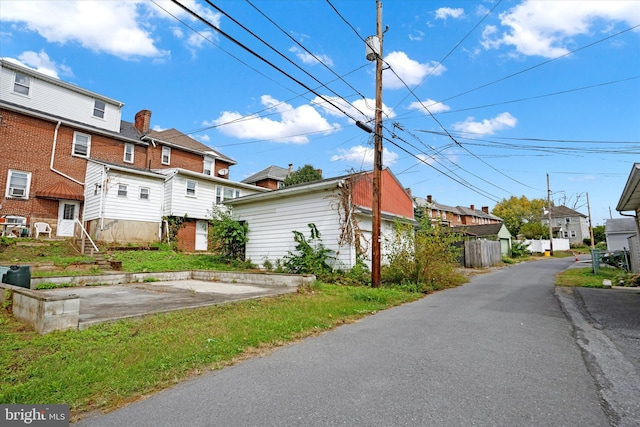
(495, 232)
(454, 216)
(271, 177)
(618, 232)
(340, 208)
(568, 224)
(630, 202)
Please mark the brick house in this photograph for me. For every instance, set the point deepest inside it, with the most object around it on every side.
(50, 131)
(455, 216)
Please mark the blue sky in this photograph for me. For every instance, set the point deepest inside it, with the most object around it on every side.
(482, 99)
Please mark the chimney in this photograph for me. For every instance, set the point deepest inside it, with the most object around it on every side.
(408, 190)
(290, 168)
(429, 199)
(485, 209)
(143, 121)
(472, 207)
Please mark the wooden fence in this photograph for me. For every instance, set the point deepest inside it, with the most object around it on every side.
(481, 253)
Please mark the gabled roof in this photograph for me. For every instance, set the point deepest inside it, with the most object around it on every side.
(176, 138)
(484, 229)
(563, 211)
(272, 172)
(620, 225)
(630, 198)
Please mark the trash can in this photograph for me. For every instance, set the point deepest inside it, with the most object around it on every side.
(18, 275)
(3, 270)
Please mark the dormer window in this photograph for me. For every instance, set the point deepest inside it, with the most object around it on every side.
(22, 84)
(98, 109)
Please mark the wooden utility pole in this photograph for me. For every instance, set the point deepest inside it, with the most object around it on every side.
(377, 161)
(550, 225)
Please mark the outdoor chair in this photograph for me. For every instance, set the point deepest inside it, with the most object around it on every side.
(42, 228)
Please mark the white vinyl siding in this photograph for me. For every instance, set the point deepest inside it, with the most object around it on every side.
(56, 97)
(18, 183)
(81, 144)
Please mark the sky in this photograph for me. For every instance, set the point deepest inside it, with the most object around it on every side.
(482, 100)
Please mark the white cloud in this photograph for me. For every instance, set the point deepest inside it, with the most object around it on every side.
(41, 62)
(487, 126)
(446, 12)
(361, 109)
(547, 28)
(310, 59)
(362, 156)
(294, 124)
(433, 106)
(410, 71)
(430, 159)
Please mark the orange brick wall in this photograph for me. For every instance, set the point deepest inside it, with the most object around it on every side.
(187, 236)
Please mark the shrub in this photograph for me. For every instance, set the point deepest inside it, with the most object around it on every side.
(519, 249)
(228, 235)
(311, 258)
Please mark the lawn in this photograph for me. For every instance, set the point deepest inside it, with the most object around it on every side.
(585, 277)
(112, 364)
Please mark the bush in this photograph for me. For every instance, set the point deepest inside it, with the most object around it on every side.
(228, 235)
(519, 249)
(311, 257)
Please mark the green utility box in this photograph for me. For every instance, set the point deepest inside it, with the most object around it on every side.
(18, 275)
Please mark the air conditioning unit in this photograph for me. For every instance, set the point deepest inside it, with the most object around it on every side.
(16, 192)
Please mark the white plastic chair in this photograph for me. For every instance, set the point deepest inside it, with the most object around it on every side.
(42, 228)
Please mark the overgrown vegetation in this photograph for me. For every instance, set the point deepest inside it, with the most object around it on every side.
(174, 224)
(311, 256)
(425, 257)
(228, 235)
(112, 364)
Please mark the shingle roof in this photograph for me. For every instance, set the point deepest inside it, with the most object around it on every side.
(557, 211)
(484, 229)
(272, 172)
(175, 137)
(620, 225)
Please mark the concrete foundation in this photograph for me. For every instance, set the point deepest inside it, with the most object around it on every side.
(46, 313)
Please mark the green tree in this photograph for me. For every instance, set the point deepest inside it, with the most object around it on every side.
(306, 173)
(517, 211)
(534, 230)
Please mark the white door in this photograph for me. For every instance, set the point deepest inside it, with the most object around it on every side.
(202, 231)
(67, 214)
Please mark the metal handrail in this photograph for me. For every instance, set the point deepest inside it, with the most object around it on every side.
(86, 234)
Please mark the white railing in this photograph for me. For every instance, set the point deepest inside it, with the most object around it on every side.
(84, 233)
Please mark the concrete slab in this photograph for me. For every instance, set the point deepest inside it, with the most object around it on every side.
(109, 303)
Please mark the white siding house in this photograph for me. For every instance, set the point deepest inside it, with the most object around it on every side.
(123, 204)
(27, 88)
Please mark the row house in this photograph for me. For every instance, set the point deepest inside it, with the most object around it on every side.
(69, 158)
(455, 216)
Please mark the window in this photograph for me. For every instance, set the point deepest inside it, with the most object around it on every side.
(567, 220)
(128, 153)
(144, 193)
(573, 234)
(98, 109)
(191, 188)
(166, 155)
(18, 183)
(208, 167)
(81, 144)
(22, 84)
(224, 193)
(122, 190)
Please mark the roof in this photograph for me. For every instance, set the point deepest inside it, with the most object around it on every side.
(458, 210)
(630, 198)
(177, 138)
(562, 211)
(484, 229)
(60, 190)
(620, 225)
(272, 172)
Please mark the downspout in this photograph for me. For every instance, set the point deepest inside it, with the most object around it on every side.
(53, 155)
(103, 184)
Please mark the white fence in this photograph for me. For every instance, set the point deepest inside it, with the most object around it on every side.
(540, 246)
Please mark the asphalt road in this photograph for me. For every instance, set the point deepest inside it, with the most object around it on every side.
(498, 351)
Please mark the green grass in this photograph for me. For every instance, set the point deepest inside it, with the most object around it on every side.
(109, 365)
(584, 277)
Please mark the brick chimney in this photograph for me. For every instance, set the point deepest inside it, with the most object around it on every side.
(485, 209)
(472, 207)
(429, 199)
(143, 121)
(290, 168)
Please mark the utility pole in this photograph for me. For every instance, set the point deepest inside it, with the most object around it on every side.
(377, 160)
(550, 225)
(590, 223)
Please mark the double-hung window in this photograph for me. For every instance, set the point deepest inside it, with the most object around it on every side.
(208, 167)
(18, 183)
(98, 109)
(128, 153)
(192, 186)
(81, 144)
(166, 155)
(22, 84)
(122, 190)
(224, 193)
(144, 193)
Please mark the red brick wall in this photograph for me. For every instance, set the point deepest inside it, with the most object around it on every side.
(394, 199)
(187, 236)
